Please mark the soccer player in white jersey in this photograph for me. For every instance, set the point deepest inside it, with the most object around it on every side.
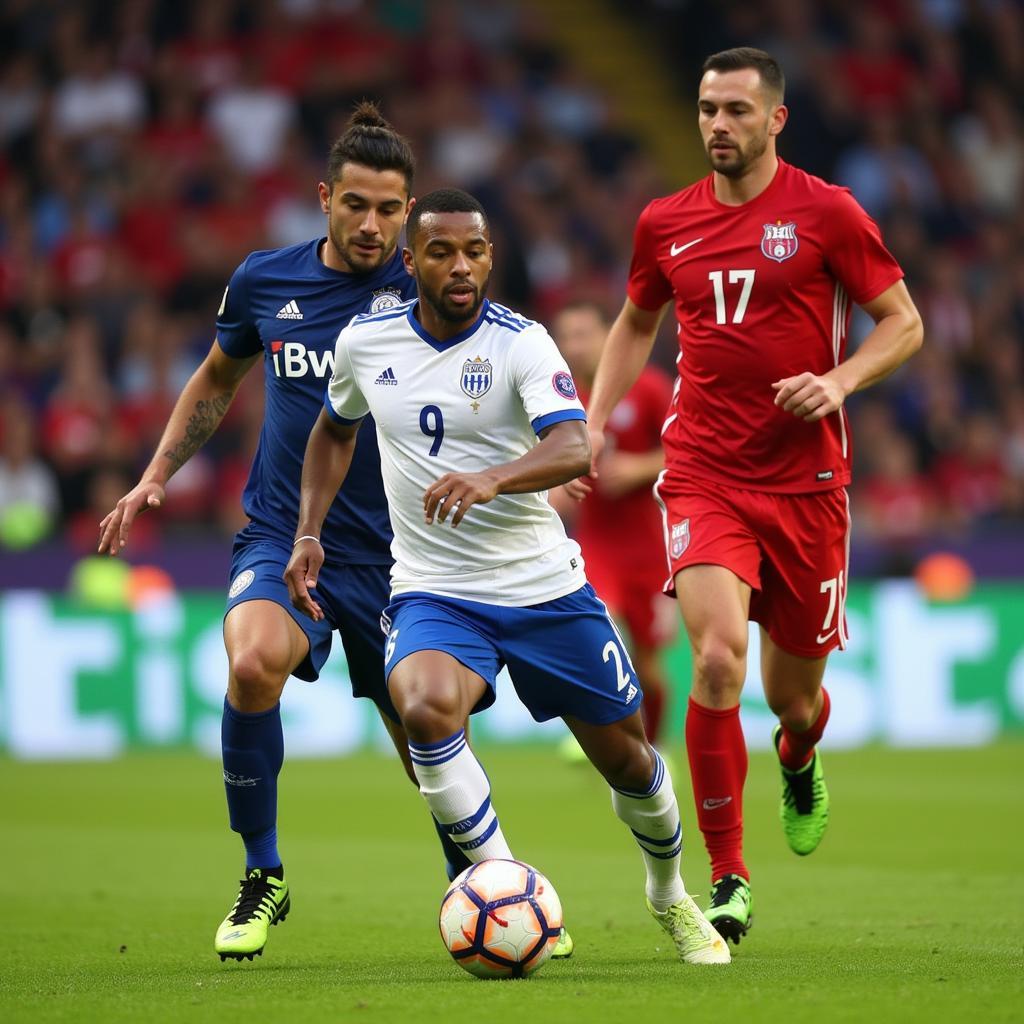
(484, 576)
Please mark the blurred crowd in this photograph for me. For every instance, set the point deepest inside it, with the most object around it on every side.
(146, 146)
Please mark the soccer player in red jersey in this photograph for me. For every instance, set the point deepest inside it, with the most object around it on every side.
(618, 526)
(761, 262)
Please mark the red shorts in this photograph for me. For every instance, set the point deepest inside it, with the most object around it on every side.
(634, 597)
(792, 549)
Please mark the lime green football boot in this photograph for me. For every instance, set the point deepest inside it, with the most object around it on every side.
(731, 909)
(696, 941)
(263, 900)
(804, 806)
(563, 947)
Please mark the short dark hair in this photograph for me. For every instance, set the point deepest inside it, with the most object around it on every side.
(740, 57)
(442, 200)
(371, 141)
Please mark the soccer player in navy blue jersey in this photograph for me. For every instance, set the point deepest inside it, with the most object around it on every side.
(284, 308)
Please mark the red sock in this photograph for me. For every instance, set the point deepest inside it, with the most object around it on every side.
(653, 710)
(797, 748)
(718, 767)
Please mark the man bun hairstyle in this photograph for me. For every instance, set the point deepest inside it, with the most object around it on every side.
(442, 200)
(369, 140)
(741, 57)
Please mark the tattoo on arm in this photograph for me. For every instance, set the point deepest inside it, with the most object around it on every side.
(201, 424)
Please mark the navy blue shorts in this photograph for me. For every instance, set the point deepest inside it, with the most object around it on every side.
(565, 657)
(352, 597)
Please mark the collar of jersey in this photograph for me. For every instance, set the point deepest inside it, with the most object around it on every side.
(442, 346)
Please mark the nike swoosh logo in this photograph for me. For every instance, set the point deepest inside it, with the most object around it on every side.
(677, 249)
(713, 803)
(828, 636)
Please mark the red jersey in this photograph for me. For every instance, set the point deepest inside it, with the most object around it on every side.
(762, 291)
(628, 529)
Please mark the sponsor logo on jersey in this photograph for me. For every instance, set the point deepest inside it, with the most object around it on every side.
(476, 377)
(825, 474)
(677, 249)
(680, 538)
(289, 311)
(780, 241)
(385, 298)
(240, 582)
(387, 377)
(563, 383)
(293, 359)
(631, 693)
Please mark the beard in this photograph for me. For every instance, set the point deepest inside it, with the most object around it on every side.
(448, 311)
(736, 162)
(357, 262)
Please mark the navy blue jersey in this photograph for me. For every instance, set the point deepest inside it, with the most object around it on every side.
(287, 304)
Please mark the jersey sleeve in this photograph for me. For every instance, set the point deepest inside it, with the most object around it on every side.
(237, 333)
(647, 286)
(544, 383)
(344, 401)
(855, 252)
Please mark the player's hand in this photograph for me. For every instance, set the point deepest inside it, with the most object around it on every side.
(115, 525)
(457, 493)
(300, 574)
(579, 488)
(808, 396)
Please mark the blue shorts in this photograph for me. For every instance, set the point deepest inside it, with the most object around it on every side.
(565, 656)
(352, 597)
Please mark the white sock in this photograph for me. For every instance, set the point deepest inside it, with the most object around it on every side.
(458, 793)
(653, 818)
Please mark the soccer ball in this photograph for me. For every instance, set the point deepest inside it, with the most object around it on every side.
(500, 919)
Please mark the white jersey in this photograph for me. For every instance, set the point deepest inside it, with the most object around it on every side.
(474, 401)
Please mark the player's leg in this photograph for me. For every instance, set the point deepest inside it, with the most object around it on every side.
(802, 612)
(266, 641)
(357, 595)
(440, 667)
(264, 645)
(714, 604)
(644, 801)
(793, 690)
(567, 659)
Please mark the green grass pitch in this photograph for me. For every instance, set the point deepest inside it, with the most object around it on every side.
(115, 876)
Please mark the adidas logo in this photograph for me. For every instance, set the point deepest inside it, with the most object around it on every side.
(289, 311)
(387, 377)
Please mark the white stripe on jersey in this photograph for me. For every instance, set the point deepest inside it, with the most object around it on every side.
(840, 305)
(460, 406)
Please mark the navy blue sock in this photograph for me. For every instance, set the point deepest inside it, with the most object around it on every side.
(455, 861)
(252, 747)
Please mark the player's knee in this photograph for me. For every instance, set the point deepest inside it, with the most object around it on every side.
(256, 681)
(797, 713)
(429, 715)
(631, 768)
(720, 665)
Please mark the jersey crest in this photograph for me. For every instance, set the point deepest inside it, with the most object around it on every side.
(476, 377)
(385, 298)
(780, 241)
(680, 537)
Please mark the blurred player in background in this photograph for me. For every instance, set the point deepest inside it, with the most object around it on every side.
(461, 390)
(762, 262)
(283, 308)
(618, 526)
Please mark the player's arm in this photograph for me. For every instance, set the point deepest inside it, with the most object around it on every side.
(196, 415)
(324, 468)
(562, 454)
(626, 351)
(624, 472)
(896, 336)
